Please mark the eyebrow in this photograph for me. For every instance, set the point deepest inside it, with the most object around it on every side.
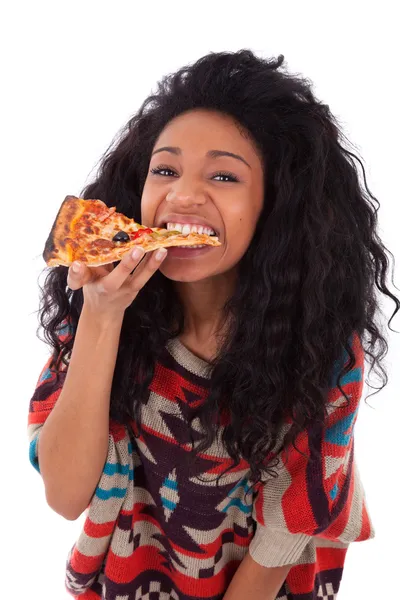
(210, 153)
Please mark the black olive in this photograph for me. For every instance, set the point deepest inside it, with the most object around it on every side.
(121, 236)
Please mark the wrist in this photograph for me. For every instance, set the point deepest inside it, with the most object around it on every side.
(101, 322)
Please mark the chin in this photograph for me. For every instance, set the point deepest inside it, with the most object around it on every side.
(184, 272)
(189, 266)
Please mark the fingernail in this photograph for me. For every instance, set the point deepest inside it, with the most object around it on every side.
(137, 253)
(76, 267)
(161, 253)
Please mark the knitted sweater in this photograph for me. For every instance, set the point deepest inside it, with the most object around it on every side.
(159, 527)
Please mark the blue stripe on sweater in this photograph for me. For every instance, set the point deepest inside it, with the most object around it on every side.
(239, 504)
(114, 468)
(334, 491)
(171, 484)
(46, 375)
(112, 493)
(33, 454)
(243, 483)
(168, 503)
(341, 432)
(66, 329)
(354, 376)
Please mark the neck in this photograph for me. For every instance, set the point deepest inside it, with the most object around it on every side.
(204, 315)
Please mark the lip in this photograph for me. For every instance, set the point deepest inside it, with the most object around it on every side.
(182, 253)
(185, 219)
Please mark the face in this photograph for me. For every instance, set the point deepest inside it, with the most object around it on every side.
(204, 172)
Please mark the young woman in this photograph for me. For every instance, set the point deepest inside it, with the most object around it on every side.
(200, 402)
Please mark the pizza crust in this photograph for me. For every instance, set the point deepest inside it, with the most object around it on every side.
(58, 250)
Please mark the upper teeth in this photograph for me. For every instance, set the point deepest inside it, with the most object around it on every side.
(186, 228)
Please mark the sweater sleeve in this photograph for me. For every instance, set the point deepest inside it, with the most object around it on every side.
(317, 492)
(45, 396)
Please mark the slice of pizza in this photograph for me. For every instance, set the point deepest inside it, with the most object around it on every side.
(93, 233)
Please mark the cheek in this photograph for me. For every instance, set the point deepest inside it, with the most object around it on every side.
(240, 216)
(240, 227)
(240, 230)
(148, 206)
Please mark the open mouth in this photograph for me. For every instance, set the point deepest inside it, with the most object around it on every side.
(187, 228)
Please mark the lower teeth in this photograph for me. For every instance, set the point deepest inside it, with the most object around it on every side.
(197, 246)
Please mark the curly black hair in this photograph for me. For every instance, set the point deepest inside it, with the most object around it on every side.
(306, 284)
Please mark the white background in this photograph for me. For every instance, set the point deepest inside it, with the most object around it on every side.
(72, 74)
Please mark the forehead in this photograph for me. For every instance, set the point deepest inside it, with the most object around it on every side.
(202, 130)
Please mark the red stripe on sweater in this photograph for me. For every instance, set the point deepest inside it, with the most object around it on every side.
(223, 462)
(139, 515)
(117, 430)
(330, 558)
(335, 530)
(37, 417)
(46, 406)
(295, 500)
(300, 578)
(125, 569)
(85, 564)
(208, 550)
(169, 384)
(98, 530)
(242, 466)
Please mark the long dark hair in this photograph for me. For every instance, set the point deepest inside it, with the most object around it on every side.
(307, 282)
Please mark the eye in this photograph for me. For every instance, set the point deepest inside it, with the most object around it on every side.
(161, 170)
(228, 177)
(164, 171)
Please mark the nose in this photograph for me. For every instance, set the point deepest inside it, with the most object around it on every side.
(185, 200)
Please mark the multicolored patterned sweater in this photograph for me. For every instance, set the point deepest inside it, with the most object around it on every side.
(159, 527)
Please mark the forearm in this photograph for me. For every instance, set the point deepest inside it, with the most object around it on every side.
(255, 582)
(73, 443)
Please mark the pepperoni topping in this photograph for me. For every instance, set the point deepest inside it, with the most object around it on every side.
(107, 214)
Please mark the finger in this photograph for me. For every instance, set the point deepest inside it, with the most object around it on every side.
(143, 273)
(78, 275)
(120, 274)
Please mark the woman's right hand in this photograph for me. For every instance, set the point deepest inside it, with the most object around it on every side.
(109, 291)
